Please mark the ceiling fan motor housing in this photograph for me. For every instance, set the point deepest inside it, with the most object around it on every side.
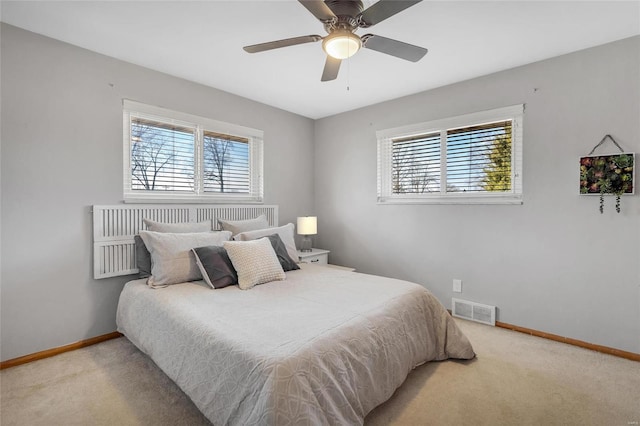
(346, 12)
(345, 7)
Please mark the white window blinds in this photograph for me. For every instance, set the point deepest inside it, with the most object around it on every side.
(226, 165)
(416, 164)
(479, 158)
(475, 158)
(161, 156)
(171, 155)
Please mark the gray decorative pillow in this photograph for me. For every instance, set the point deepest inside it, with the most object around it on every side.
(285, 260)
(178, 228)
(143, 258)
(172, 260)
(255, 262)
(238, 226)
(215, 266)
(285, 232)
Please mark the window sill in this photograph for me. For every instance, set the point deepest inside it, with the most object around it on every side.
(511, 199)
(191, 200)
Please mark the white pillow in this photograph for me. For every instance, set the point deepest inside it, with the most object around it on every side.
(238, 226)
(172, 261)
(255, 262)
(154, 226)
(285, 232)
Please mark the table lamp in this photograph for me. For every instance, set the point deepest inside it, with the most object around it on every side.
(307, 226)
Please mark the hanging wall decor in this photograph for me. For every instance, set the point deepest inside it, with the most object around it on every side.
(612, 174)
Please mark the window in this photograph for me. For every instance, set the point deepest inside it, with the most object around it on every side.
(475, 158)
(174, 156)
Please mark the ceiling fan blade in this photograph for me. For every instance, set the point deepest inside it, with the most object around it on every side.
(319, 9)
(382, 10)
(392, 47)
(331, 68)
(255, 48)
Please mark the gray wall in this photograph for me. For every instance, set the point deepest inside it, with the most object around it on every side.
(553, 264)
(62, 152)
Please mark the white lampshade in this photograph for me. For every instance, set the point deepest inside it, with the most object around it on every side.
(341, 44)
(307, 225)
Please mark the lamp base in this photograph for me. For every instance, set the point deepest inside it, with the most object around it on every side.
(306, 243)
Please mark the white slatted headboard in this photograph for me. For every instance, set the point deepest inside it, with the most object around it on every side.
(114, 251)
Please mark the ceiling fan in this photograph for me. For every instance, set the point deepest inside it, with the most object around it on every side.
(340, 19)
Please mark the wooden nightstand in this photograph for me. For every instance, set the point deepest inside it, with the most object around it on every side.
(318, 256)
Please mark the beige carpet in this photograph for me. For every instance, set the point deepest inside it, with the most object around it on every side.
(516, 380)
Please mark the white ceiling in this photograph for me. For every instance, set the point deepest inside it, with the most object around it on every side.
(202, 42)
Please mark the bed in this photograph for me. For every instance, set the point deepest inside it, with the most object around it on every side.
(324, 346)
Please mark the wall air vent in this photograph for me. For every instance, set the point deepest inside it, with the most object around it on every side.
(473, 311)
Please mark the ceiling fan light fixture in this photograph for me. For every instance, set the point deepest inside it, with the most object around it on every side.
(341, 44)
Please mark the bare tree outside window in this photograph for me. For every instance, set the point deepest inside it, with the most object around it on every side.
(411, 174)
(161, 155)
(148, 154)
(226, 163)
(416, 165)
(217, 154)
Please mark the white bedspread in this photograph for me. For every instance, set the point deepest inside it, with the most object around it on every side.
(324, 346)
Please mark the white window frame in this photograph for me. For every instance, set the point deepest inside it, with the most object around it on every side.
(199, 125)
(385, 141)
